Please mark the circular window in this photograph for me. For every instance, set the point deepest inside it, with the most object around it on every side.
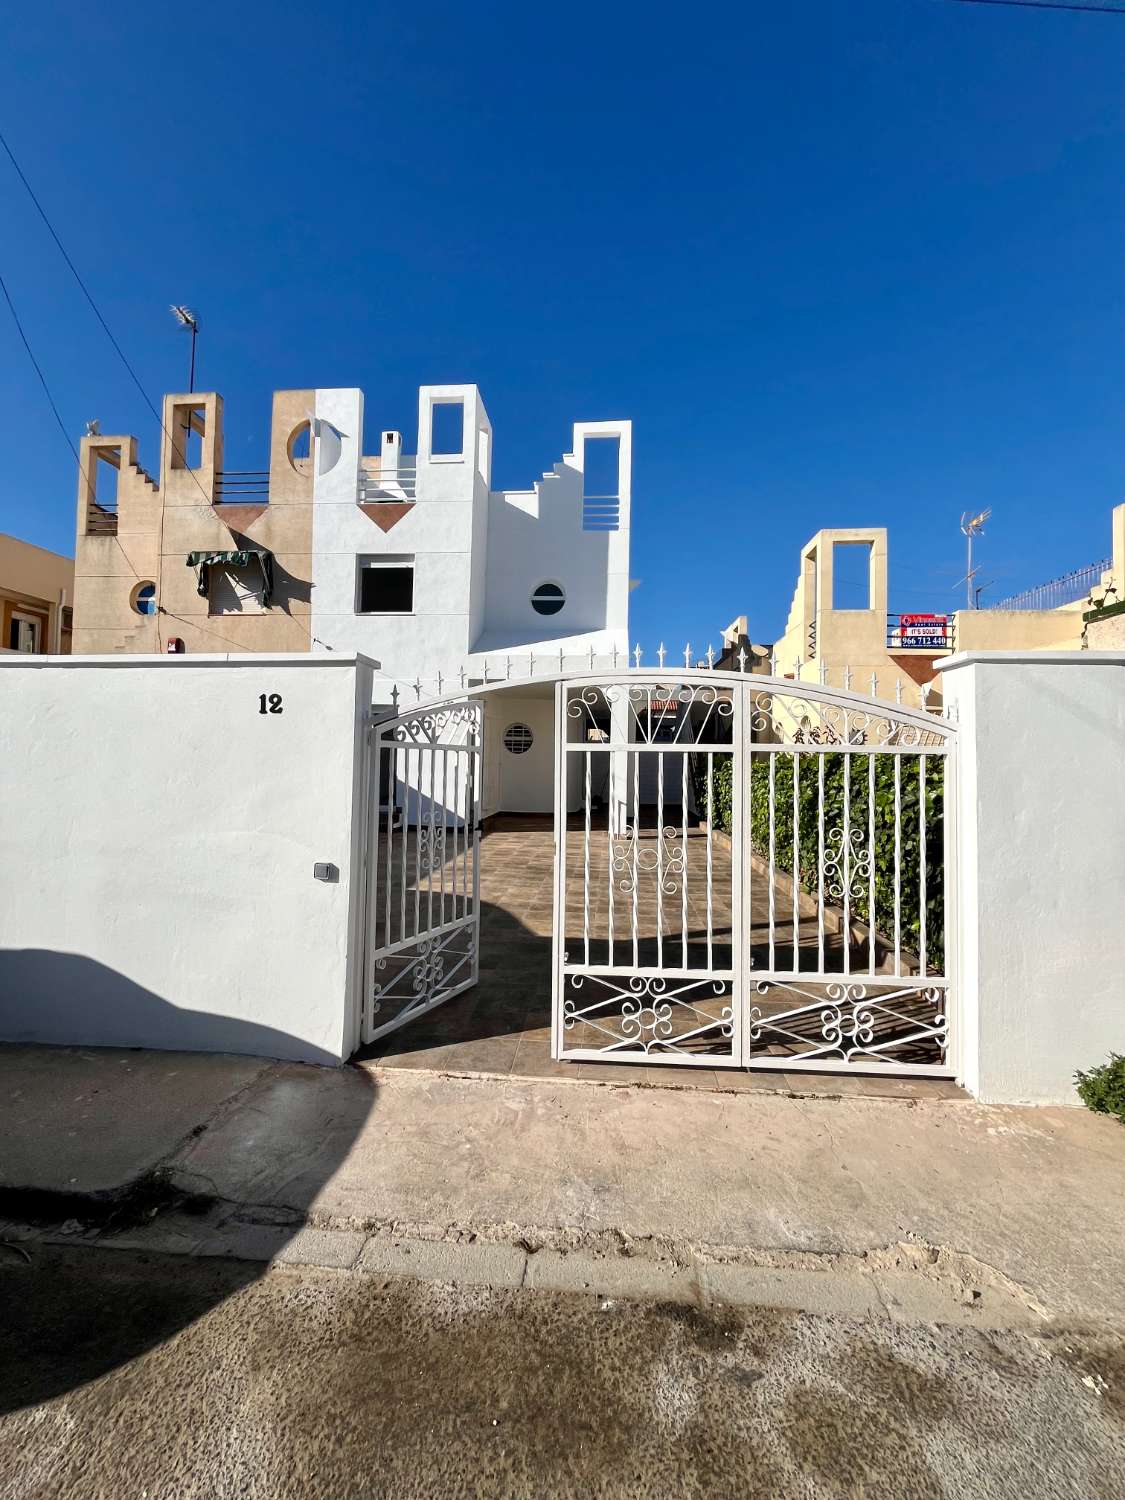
(518, 738)
(143, 599)
(548, 599)
(299, 446)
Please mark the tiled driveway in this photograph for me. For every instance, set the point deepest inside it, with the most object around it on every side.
(503, 1025)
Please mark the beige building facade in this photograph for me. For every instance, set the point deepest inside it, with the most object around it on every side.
(896, 656)
(36, 598)
(203, 559)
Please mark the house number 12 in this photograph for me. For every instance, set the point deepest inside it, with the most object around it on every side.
(269, 703)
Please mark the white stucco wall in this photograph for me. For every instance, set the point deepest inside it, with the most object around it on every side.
(478, 554)
(536, 536)
(438, 533)
(1040, 896)
(159, 836)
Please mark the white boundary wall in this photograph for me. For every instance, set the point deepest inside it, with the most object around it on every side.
(1041, 869)
(159, 834)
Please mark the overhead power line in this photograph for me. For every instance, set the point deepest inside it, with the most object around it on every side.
(1107, 10)
(206, 629)
(38, 369)
(95, 308)
(74, 272)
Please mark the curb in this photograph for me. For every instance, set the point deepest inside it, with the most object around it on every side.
(895, 1295)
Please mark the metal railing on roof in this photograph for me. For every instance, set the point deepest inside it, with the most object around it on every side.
(387, 484)
(242, 485)
(1068, 589)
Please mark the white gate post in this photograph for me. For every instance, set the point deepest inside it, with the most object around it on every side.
(618, 791)
(1040, 888)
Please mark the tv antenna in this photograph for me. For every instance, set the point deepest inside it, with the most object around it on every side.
(187, 319)
(972, 526)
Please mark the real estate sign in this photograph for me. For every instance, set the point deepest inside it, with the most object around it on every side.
(924, 632)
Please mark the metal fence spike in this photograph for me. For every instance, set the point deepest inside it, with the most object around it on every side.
(742, 658)
(637, 654)
(660, 654)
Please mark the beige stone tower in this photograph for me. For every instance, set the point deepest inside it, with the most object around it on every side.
(218, 560)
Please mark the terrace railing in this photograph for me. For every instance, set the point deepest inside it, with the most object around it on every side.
(1068, 589)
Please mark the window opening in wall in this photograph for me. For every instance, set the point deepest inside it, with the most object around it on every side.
(143, 599)
(299, 446)
(548, 599)
(384, 586)
(102, 476)
(25, 633)
(188, 426)
(601, 484)
(851, 575)
(518, 738)
(447, 429)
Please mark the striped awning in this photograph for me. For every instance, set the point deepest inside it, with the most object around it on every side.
(239, 558)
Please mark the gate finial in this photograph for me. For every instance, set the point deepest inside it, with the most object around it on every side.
(637, 653)
(742, 658)
(687, 655)
(660, 654)
(710, 655)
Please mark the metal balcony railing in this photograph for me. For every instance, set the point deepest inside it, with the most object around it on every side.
(1068, 589)
(243, 486)
(101, 520)
(920, 632)
(389, 484)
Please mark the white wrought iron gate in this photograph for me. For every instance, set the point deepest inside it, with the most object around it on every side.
(750, 872)
(423, 906)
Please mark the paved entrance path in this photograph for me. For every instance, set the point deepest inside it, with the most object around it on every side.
(503, 1025)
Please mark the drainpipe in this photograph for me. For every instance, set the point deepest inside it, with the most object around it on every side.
(57, 646)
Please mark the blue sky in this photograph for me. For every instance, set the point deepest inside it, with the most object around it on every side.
(849, 262)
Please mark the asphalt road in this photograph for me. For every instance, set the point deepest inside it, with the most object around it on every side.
(149, 1377)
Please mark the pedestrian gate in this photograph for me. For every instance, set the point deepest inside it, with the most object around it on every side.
(423, 907)
(750, 872)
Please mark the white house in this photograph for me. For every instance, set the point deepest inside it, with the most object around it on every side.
(411, 559)
(420, 564)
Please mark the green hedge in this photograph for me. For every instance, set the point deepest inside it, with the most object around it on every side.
(808, 835)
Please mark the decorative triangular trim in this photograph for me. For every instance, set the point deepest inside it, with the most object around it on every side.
(238, 517)
(387, 513)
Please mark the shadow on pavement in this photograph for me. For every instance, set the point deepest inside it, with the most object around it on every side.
(104, 1143)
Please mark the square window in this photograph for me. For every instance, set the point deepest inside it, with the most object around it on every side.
(385, 586)
(447, 429)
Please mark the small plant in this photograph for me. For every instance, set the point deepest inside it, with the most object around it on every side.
(1103, 1089)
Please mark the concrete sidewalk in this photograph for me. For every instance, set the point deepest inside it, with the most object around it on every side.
(532, 1182)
